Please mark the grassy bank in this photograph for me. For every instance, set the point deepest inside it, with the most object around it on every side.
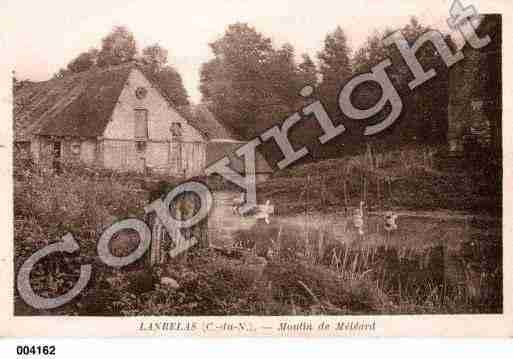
(423, 267)
(77, 201)
(404, 179)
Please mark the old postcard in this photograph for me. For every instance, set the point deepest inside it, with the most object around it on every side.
(257, 168)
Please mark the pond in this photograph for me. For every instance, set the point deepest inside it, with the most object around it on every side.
(440, 259)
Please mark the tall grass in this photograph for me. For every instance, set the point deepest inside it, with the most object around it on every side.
(314, 267)
(48, 205)
(406, 178)
(416, 272)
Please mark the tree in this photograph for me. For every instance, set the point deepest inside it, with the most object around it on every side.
(249, 84)
(171, 83)
(117, 47)
(424, 116)
(155, 56)
(307, 72)
(335, 66)
(237, 81)
(154, 59)
(61, 73)
(84, 61)
(283, 76)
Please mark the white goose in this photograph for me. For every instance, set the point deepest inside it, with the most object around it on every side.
(358, 218)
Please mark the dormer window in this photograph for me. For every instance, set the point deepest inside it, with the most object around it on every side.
(141, 124)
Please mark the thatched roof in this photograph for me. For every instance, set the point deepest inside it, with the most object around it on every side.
(208, 124)
(80, 105)
(76, 105)
(217, 149)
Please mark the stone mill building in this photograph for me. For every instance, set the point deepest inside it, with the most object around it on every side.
(116, 118)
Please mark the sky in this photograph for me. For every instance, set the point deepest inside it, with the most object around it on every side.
(44, 36)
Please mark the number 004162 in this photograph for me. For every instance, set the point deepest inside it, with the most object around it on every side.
(35, 350)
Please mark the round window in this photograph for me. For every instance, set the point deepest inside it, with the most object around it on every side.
(141, 93)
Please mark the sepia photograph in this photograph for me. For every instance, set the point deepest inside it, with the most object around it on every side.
(231, 160)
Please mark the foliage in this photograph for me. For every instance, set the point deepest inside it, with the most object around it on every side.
(118, 47)
(249, 84)
(414, 178)
(154, 59)
(61, 73)
(335, 66)
(84, 61)
(307, 71)
(155, 56)
(277, 272)
(424, 116)
(171, 83)
(47, 206)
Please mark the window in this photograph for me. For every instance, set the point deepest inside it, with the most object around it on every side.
(141, 146)
(141, 124)
(176, 129)
(56, 149)
(141, 93)
(75, 148)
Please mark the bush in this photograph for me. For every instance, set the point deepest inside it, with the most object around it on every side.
(47, 206)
